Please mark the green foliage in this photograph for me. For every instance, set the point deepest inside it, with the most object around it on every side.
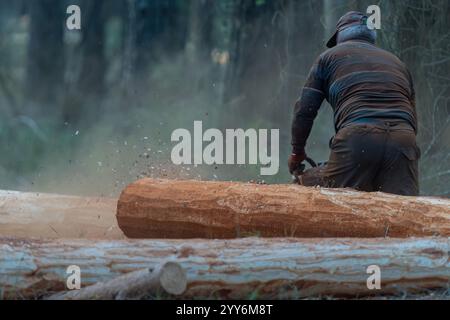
(260, 2)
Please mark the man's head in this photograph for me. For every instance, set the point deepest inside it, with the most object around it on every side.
(352, 25)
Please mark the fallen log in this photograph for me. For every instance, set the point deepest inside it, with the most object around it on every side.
(40, 215)
(167, 278)
(203, 209)
(239, 269)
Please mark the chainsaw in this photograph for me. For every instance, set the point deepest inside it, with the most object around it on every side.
(309, 177)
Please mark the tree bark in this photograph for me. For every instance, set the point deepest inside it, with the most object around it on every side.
(238, 269)
(203, 209)
(38, 215)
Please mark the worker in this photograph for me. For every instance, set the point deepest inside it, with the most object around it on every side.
(372, 95)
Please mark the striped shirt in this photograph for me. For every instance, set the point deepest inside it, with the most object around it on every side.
(359, 80)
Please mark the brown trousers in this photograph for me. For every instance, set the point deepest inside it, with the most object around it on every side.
(374, 157)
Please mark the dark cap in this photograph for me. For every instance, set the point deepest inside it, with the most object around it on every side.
(352, 18)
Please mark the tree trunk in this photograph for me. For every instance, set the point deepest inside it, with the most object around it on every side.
(199, 39)
(91, 83)
(199, 45)
(45, 69)
(38, 215)
(153, 31)
(203, 209)
(238, 269)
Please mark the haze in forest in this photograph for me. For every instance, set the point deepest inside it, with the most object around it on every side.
(89, 111)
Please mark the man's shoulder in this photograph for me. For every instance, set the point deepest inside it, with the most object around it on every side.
(341, 49)
(357, 47)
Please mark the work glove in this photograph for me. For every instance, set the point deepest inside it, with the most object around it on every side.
(295, 160)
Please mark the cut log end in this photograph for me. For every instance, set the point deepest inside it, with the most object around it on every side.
(173, 278)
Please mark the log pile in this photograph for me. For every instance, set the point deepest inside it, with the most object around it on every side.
(238, 269)
(251, 241)
(155, 209)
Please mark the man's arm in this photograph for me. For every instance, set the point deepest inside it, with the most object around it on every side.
(307, 107)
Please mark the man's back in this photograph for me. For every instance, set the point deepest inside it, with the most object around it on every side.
(372, 95)
(361, 80)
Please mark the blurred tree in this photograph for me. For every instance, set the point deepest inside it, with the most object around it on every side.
(45, 63)
(153, 29)
(91, 81)
(199, 41)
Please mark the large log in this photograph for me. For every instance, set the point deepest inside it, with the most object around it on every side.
(40, 215)
(239, 269)
(199, 209)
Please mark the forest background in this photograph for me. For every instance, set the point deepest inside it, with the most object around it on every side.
(88, 111)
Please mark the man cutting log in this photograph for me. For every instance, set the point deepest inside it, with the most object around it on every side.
(372, 95)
